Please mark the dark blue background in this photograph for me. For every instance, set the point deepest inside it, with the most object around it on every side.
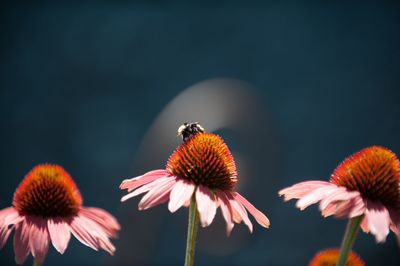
(82, 83)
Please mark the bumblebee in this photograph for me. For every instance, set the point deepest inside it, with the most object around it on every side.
(186, 130)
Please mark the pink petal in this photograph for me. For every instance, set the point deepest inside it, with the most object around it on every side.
(104, 219)
(340, 209)
(145, 188)
(364, 224)
(236, 217)
(206, 205)
(91, 233)
(357, 208)
(79, 229)
(345, 209)
(154, 201)
(187, 203)
(21, 242)
(38, 238)
(157, 195)
(99, 234)
(378, 220)
(226, 211)
(395, 224)
(60, 234)
(330, 209)
(299, 190)
(138, 181)
(341, 194)
(238, 207)
(316, 195)
(5, 232)
(8, 217)
(180, 193)
(5, 212)
(259, 216)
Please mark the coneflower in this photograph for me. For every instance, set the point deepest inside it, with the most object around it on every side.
(200, 173)
(364, 188)
(329, 257)
(47, 207)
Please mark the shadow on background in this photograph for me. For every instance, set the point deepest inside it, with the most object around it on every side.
(94, 87)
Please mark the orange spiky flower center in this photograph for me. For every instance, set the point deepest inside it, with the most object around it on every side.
(47, 191)
(204, 159)
(329, 257)
(374, 172)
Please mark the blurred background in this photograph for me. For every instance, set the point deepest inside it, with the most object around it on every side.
(101, 89)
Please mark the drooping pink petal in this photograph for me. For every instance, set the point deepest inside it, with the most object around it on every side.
(226, 211)
(236, 217)
(97, 233)
(5, 232)
(365, 224)
(330, 209)
(358, 207)
(106, 245)
(378, 220)
(5, 212)
(238, 207)
(299, 190)
(38, 238)
(342, 203)
(138, 181)
(146, 187)
(8, 217)
(316, 195)
(156, 200)
(79, 229)
(341, 194)
(21, 242)
(259, 216)
(103, 241)
(109, 224)
(206, 205)
(180, 193)
(60, 234)
(90, 233)
(345, 209)
(395, 223)
(157, 195)
(187, 203)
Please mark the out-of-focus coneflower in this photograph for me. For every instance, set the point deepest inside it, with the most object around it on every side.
(364, 188)
(201, 173)
(329, 257)
(47, 207)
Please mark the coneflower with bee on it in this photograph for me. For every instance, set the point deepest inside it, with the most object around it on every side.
(200, 174)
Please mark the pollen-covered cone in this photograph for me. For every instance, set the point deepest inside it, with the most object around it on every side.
(329, 257)
(201, 167)
(366, 183)
(47, 207)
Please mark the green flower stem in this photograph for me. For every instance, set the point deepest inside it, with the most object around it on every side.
(348, 239)
(36, 263)
(192, 233)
